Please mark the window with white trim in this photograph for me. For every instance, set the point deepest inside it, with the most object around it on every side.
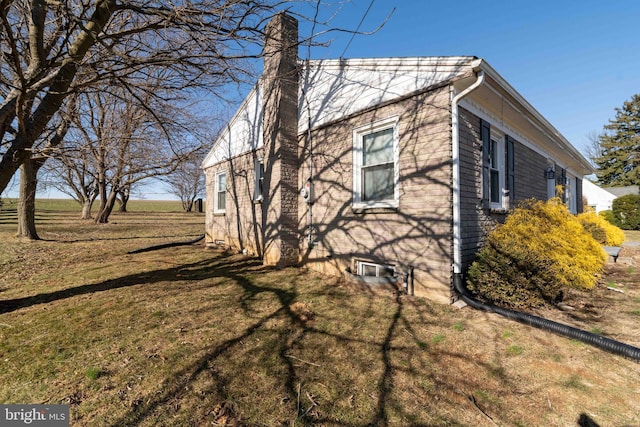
(220, 194)
(258, 186)
(375, 165)
(369, 269)
(498, 164)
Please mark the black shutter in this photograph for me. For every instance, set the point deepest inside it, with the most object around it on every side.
(510, 181)
(485, 134)
(579, 206)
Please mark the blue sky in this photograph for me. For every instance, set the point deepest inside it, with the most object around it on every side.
(574, 61)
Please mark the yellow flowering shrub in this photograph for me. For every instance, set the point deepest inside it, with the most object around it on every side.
(601, 229)
(539, 250)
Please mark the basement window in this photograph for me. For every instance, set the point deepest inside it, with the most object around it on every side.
(368, 269)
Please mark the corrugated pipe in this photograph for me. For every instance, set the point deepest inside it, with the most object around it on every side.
(599, 341)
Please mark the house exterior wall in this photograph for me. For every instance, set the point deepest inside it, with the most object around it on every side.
(416, 236)
(529, 180)
(413, 233)
(475, 220)
(240, 226)
(597, 198)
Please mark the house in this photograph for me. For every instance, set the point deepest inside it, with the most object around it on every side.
(623, 191)
(379, 167)
(599, 199)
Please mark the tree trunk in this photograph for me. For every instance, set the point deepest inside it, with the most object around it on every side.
(27, 202)
(123, 204)
(87, 204)
(50, 103)
(106, 207)
(123, 199)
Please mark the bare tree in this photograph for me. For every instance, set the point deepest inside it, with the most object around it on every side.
(49, 50)
(122, 140)
(594, 149)
(72, 172)
(187, 181)
(29, 172)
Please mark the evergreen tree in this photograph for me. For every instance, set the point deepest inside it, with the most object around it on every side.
(619, 160)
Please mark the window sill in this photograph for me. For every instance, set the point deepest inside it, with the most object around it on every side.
(377, 207)
(219, 213)
(501, 211)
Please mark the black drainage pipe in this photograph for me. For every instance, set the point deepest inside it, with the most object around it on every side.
(599, 341)
(166, 245)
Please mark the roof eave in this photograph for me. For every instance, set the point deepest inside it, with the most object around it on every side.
(481, 64)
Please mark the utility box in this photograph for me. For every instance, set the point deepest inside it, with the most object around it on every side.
(198, 206)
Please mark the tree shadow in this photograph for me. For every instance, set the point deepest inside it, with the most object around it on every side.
(288, 340)
(383, 351)
(192, 271)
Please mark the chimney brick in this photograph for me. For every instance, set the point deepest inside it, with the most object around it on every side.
(280, 135)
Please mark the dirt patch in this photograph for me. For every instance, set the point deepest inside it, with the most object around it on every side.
(612, 308)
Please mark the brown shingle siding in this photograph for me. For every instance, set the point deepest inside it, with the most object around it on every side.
(530, 181)
(418, 232)
(474, 219)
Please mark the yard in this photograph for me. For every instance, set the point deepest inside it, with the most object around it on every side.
(189, 336)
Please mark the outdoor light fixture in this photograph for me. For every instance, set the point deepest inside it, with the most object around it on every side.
(550, 173)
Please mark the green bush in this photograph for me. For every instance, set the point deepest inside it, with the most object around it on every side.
(530, 259)
(626, 211)
(608, 215)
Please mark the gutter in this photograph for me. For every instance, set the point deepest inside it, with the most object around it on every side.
(535, 114)
(455, 146)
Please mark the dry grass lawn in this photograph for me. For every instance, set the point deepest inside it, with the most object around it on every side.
(191, 337)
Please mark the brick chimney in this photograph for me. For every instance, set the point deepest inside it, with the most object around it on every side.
(280, 136)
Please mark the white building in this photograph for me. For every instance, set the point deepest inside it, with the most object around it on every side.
(598, 198)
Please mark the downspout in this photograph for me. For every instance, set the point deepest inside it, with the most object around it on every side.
(455, 147)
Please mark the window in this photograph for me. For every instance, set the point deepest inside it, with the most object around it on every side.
(498, 164)
(368, 269)
(496, 170)
(258, 188)
(220, 196)
(375, 165)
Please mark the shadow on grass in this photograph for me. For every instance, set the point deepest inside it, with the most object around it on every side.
(193, 271)
(290, 339)
(384, 352)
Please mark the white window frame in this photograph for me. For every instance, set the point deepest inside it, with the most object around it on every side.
(216, 192)
(500, 167)
(358, 136)
(258, 166)
(379, 267)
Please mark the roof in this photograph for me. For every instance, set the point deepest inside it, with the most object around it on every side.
(623, 191)
(334, 89)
